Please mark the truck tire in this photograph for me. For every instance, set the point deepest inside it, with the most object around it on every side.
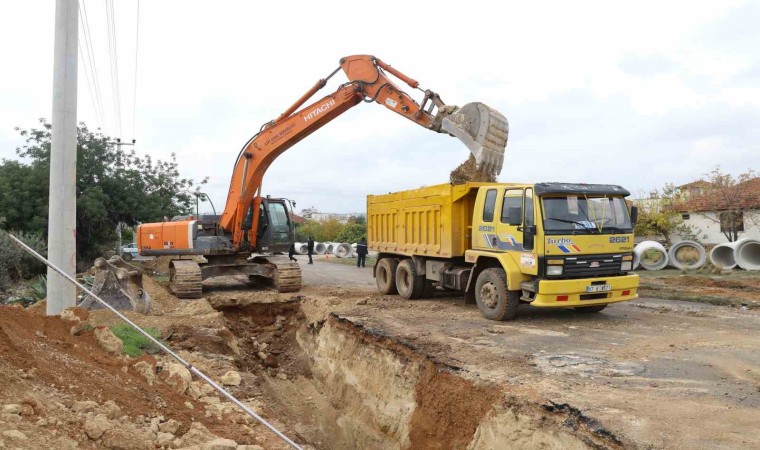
(385, 276)
(428, 290)
(494, 300)
(408, 283)
(590, 309)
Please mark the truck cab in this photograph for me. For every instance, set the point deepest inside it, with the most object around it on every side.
(560, 245)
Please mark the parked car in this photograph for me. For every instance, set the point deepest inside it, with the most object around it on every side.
(129, 251)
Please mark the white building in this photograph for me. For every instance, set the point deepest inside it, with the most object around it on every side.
(703, 210)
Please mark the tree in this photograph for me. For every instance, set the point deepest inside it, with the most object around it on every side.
(731, 202)
(658, 218)
(320, 230)
(113, 186)
(355, 229)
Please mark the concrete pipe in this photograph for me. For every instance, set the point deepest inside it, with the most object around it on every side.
(329, 247)
(319, 248)
(301, 248)
(643, 247)
(342, 250)
(747, 254)
(722, 256)
(686, 245)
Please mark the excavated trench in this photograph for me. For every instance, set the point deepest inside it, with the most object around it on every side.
(336, 384)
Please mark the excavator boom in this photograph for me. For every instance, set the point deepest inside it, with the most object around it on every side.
(483, 130)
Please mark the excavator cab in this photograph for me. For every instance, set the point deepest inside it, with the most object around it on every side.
(276, 228)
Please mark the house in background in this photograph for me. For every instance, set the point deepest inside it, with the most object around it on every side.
(705, 210)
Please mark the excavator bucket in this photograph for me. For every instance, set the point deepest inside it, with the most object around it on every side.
(119, 284)
(483, 130)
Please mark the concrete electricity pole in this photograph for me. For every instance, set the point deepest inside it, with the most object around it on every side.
(62, 224)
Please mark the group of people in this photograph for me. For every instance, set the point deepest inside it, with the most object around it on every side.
(361, 251)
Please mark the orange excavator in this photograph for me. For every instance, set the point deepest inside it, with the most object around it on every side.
(246, 237)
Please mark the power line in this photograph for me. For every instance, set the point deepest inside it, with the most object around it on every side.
(137, 47)
(111, 25)
(89, 87)
(92, 65)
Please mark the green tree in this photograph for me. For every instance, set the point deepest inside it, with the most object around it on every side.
(658, 218)
(320, 230)
(113, 186)
(353, 230)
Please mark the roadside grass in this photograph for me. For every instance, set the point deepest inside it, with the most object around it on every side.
(670, 272)
(135, 344)
(700, 286)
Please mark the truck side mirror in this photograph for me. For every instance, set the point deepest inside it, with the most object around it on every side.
(515, 215)
(634, 214)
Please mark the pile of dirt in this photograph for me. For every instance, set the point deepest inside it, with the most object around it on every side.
(468, 171)
(78, 394)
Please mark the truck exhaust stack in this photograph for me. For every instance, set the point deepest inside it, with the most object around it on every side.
(483, 130)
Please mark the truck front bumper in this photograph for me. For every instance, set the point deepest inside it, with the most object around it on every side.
(564, 293)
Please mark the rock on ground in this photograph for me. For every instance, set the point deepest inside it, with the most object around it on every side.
(14, 434)
(121, 439)
(108, 341)
(231, 378)
(220, 444)
(178, 377)
(95, 427)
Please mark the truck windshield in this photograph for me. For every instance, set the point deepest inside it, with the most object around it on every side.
(586, 215)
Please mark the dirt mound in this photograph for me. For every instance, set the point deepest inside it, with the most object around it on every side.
(39, 354)
(468, 171)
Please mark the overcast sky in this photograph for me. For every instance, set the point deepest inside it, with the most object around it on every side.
(597, 92)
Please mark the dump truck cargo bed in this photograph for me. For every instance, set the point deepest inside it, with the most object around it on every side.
(433, 221)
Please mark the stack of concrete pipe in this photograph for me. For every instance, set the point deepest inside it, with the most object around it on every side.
(301, 248)
(673, 255)
(341, 250)
(744, 253)
(643, 247)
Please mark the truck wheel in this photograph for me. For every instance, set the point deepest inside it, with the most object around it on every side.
(494, 300)
(385, 276)
(429, 289)
(409, 285)
(590, 309)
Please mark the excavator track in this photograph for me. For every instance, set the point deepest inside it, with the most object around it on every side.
(286, 275)
(185, 280)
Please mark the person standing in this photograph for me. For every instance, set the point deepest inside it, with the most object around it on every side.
(310, 249)
(292, 251)
(361, 252)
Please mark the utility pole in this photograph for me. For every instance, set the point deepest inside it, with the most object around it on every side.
(62, 225)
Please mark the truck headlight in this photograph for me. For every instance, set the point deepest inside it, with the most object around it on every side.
(626, 266)
(554, 270)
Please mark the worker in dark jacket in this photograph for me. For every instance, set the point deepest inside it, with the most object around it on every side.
(361, 252)
(292, 251)
(310, 249)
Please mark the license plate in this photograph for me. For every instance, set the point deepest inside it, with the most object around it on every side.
(599, 288)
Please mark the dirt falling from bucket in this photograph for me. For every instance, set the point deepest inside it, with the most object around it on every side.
(468, 171)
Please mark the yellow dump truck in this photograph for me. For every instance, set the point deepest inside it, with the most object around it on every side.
(502, 244)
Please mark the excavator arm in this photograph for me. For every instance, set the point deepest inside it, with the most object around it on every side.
(483, 130)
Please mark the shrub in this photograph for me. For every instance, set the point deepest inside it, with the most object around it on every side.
(15, 263)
